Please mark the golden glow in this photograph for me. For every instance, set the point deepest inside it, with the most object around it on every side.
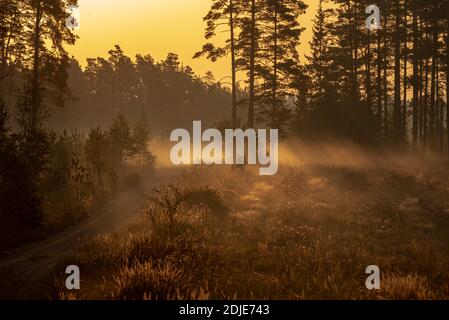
(154, 27)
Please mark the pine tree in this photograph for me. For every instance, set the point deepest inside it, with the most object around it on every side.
(141, 134)
(125, 79)
(253, 47)
(415, 78)
(319, 49)
(280, 33)
(11, 42)
(224, 12)
(120, 135)
(54, 31)
(96, 151)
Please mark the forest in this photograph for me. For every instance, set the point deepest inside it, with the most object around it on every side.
(72, 132)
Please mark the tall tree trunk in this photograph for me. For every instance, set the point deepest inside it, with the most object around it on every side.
(2, 54)
(355, 76)
(440, 112)
(11, 86)
(397, 76)
(404, 99)
(385, 80)
(447, 81)
(420, 104)
(415, 83)
(35, 99)
(426, 103)
(5, 40)
(432, 114)
(369, 97)
(421, 84)
(379, 85)
(275, 66)
(233, 65)
(252, 66)
(320, 50)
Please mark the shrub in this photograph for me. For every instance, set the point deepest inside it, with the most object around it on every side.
(150, 281)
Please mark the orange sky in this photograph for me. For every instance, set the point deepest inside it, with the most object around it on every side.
(156, 27)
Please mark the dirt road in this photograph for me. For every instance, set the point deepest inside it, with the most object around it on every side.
(25, 270)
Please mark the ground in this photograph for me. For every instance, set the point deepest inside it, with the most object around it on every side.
(307, 233)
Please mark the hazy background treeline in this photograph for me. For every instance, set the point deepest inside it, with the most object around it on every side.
(167, 91)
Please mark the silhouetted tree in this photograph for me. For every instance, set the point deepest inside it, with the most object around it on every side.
(224, 12)
(141, 134)
(120, 135)
(280, 33)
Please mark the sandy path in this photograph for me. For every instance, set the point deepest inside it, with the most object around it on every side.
(24, 271)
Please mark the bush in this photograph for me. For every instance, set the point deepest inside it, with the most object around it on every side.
(169, 209)
(150, 281)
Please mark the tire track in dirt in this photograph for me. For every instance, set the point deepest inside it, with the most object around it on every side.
(24, 272)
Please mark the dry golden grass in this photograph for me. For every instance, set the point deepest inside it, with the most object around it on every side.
(307, 233)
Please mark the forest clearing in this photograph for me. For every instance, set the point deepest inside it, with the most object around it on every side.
(224, 232)
(307, 233)
(224, 150)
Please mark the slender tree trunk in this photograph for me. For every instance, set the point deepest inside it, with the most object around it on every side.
(415, 83)
(275, 66)
(252, 65)
(379, 85)
(369, 97)
(5, 40)
(351, 44)
(421, 85)
(404, 102)
(426, 104)
(437, 105)
(2, 54)
(397, 76)
(233, 65)
(432, 110)
(420, 106)
(11, 86)
(320, 59)
(35, 99)
(440, 111)
(356, 55)
(447, 82)
(386, 126)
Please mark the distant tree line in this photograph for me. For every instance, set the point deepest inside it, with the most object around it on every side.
(168, 92)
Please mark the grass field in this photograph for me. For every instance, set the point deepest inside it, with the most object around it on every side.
(307, 233)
